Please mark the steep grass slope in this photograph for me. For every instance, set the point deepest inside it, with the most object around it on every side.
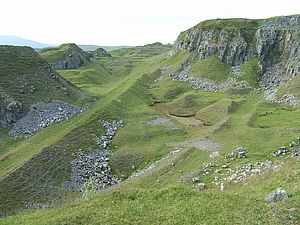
(27, 78)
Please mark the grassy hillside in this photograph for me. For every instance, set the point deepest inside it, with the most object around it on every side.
(160, 117)
(230, 24)
(251, 70)
(142, 51)
(61, 52)
(94, 47)
(27, 78)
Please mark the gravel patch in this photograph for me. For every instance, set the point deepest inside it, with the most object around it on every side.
(159, 121)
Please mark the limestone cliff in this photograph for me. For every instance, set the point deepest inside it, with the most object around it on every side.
(275, 42)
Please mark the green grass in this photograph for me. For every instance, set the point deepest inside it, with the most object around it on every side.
(211, 68)
(166, 194)
(33, 157)
(179, 205)
(251, 70)
(26, 78)
(187, 105)
(229, 24)
(142, 51)
(215, 112)
(62, 52)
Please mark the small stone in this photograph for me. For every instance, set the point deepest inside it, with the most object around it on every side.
(195, 179)
(222, 187)
(201, 186)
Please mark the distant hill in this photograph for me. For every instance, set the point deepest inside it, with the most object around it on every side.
(107, 48)
(18, 41)
(65, 56)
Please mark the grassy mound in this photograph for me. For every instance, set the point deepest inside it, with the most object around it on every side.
(215, 112)
(212, 68)
(251, 70)
(62, 53)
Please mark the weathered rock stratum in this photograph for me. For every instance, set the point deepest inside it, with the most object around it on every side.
(274, 42)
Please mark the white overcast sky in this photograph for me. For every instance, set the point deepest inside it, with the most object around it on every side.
(124, 22)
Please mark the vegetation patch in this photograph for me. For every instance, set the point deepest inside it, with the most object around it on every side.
(215, 112)
(251, 70)
(212, 68)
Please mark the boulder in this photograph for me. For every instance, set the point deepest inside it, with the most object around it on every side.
(11, 113)
(201, 186)
(277, 195)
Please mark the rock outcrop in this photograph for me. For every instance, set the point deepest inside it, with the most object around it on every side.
(66, 56)
(274, 42)
(233, 45)
(235, 41)
(100, 52)
(10, 113)
(72, 61)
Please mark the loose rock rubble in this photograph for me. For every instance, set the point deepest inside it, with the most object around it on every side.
(43, 114)
(164, 70)
(239, 152)
(92, 168)
(293, 150)
(31, 205)
(207, 84)
(159, 121)
(224, 172)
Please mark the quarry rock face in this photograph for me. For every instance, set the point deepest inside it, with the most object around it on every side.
(271, 41)
(229, 45)
(10, 113)
(66, 56)
(274, 42)
(74, 61)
